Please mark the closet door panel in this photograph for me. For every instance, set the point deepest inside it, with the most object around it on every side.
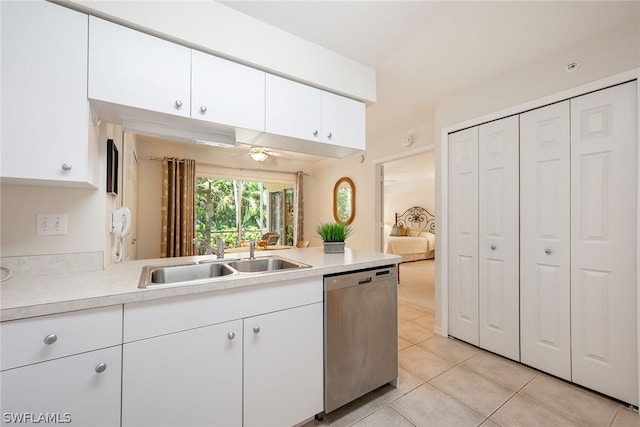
(463, 235)
(498, 278)
(545, 334)
(603, 241)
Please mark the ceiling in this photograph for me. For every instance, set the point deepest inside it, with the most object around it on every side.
(425, 50)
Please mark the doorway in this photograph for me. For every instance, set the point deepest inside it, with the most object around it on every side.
(407, 181)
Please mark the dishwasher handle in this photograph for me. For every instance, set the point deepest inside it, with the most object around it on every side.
(367, 280)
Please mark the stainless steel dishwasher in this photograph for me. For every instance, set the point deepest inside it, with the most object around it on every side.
(361, 333)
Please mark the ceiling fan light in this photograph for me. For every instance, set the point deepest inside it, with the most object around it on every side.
(259, 156)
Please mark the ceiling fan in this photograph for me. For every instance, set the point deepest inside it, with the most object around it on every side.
(260, 154)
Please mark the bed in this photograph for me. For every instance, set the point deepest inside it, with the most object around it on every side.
(413, 235)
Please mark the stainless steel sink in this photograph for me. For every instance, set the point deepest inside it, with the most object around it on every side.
(203, 271)
(171, 274)
(264, 264)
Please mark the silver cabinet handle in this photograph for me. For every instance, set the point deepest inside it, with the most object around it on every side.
(178, 103)
(101, 367)
(66, 166)
(50, 339)
(256, 329)
(330, 135)
(231, 335)
(203, 108)
(493, 247)
(315, 133)
(547, 251)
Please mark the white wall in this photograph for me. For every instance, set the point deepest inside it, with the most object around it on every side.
(218, 29)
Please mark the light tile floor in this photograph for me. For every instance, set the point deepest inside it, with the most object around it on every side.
(445, 382)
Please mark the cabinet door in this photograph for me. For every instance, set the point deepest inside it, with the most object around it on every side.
(498, 280)
(283, 366)
(74, 390)
(190, 378)
(44, 92)
(131, 68)
(603, 241)
(544, 240)
(463, 235)
(227, 93)
(343, 121)
(293, 109)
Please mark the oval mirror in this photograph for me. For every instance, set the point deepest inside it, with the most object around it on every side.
(344, 201)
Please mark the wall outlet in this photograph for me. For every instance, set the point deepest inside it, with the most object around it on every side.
(51, 224)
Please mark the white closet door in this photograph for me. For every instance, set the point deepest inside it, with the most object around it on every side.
(463, 235)
(603, 241)
(545, 328)
(498, 279)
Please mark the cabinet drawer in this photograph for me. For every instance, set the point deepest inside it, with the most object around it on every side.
(25, 341)
(158, 317)
(80, 390)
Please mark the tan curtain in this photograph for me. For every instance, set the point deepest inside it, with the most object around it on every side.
(178, 207)
(298, 228)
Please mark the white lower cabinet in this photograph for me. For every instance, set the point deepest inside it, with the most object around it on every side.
(246, 356)
(62, 368)
(81, 390)
(282, 352)
(189, 378)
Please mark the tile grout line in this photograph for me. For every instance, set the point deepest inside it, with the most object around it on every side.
(515, 393)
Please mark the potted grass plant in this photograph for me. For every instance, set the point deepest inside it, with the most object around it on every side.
(333, 235)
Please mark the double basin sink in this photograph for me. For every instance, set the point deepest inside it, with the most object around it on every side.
(211, 269)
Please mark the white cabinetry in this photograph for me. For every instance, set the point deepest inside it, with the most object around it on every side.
(131, 68)
(282, 352)
(189, 378)
(44, 95)
(66, 366)
(239, 356)
(293, 109)
(483, 236)
(343, 121)
(227, 93)
(303, 112)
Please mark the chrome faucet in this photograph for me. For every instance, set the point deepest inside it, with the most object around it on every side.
(219, 252)
(252, 249)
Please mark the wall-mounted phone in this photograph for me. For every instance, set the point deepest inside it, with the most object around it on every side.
(120, 226)
(121, 222)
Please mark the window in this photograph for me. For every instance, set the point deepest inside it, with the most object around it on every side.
(240, 211)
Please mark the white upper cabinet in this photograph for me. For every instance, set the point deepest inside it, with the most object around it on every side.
(299, 111)
(131, 68)
(293, 109)
(227, 93)
(343, 121)
(44, 95)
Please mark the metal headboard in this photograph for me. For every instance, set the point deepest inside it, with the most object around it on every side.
(417, 217)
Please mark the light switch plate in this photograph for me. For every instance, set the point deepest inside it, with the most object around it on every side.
(51, 224)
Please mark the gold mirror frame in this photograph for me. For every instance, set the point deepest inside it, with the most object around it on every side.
(344, 182)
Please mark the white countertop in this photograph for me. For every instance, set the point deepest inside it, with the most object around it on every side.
(118, 284)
